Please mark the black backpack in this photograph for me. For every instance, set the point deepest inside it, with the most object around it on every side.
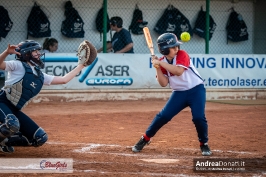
(173, 21)
(5, 22)
(137, 23)
(236, 28)
(38, 23)
(200, 24)
(72, 26)
(99, 21)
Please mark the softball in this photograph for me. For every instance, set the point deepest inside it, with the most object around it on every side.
(185, 36)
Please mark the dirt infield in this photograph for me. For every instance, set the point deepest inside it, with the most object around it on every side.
(99, 136)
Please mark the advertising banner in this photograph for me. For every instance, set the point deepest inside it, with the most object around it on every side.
(135, 71)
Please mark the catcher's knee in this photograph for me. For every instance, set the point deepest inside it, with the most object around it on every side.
(39, 137)
(9, 127)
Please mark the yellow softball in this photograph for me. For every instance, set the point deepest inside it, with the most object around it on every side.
(185, 36)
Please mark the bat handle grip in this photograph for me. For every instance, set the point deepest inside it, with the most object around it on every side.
(155, 66)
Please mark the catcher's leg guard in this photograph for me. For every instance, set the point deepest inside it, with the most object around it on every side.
(39, 137)
(9, 127)
(18, 140)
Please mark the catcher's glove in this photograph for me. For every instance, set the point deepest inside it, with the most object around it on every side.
(87, 53)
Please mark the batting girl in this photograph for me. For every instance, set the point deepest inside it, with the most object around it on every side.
(176, 69)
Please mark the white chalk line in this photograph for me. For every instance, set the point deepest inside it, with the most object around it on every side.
(221, 151)
(89, 146)
(138, 173)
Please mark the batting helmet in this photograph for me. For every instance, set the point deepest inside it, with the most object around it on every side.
(26, 48)
(166, 41)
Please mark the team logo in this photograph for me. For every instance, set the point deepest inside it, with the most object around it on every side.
(103, 81)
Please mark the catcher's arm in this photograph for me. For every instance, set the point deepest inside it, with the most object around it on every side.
(68, 77)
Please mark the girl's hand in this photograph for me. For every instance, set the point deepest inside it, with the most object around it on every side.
(11, 49)
(155, 61)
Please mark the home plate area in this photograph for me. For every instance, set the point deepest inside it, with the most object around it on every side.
(117, 160)
(99, 135)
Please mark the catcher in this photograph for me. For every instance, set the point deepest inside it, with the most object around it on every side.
(24, 81)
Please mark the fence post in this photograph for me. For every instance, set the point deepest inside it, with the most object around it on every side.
(207, 26)
(104, 25)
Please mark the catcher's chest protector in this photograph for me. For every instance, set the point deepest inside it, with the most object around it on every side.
(20, 93)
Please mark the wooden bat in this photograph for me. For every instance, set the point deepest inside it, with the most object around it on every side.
(149, 42)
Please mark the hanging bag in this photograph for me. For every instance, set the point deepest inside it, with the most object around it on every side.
(236, 28)
(72, 26)
(137, 23)
(200, 25)
(38, 23)
(173, 21)
(5, 22)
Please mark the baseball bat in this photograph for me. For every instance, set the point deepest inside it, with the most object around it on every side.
(148, 38)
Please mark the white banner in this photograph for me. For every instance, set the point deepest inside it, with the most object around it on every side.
(134, 71)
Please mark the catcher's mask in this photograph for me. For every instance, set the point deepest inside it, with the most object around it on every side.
(166, 41)
(26, 48)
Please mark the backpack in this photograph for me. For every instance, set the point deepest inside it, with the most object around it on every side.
(5, 22)
(137, 23)
(38, 23)
(236, 28)
(72, 26)
(99, 21)
(173, 21)
(200, 25)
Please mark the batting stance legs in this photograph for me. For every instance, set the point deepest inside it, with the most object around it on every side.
(194, 98)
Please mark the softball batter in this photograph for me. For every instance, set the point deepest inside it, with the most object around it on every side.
(177, 70)
(24, 81)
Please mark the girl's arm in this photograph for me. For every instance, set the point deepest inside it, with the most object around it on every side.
(68, 77)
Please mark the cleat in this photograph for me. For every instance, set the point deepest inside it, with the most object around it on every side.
(140, 145)
(205, 150)
(6, 149)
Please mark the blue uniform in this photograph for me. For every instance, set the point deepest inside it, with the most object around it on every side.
(13, 98)
(121, 39)
(188, 91)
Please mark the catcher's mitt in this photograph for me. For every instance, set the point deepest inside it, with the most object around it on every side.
(87, 53)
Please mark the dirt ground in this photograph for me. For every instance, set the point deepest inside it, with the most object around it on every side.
(98, 135)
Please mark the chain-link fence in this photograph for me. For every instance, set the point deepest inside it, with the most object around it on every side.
(152, 11)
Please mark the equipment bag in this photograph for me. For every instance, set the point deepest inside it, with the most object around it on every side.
(5, 22)
(72, 26)
(173, 21)
(200, 25)
(137, 23)
(99, 21)
(236, 28)
(38, 23)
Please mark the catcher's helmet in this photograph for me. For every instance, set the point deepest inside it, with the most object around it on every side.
(26, 48)
(166, 41)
